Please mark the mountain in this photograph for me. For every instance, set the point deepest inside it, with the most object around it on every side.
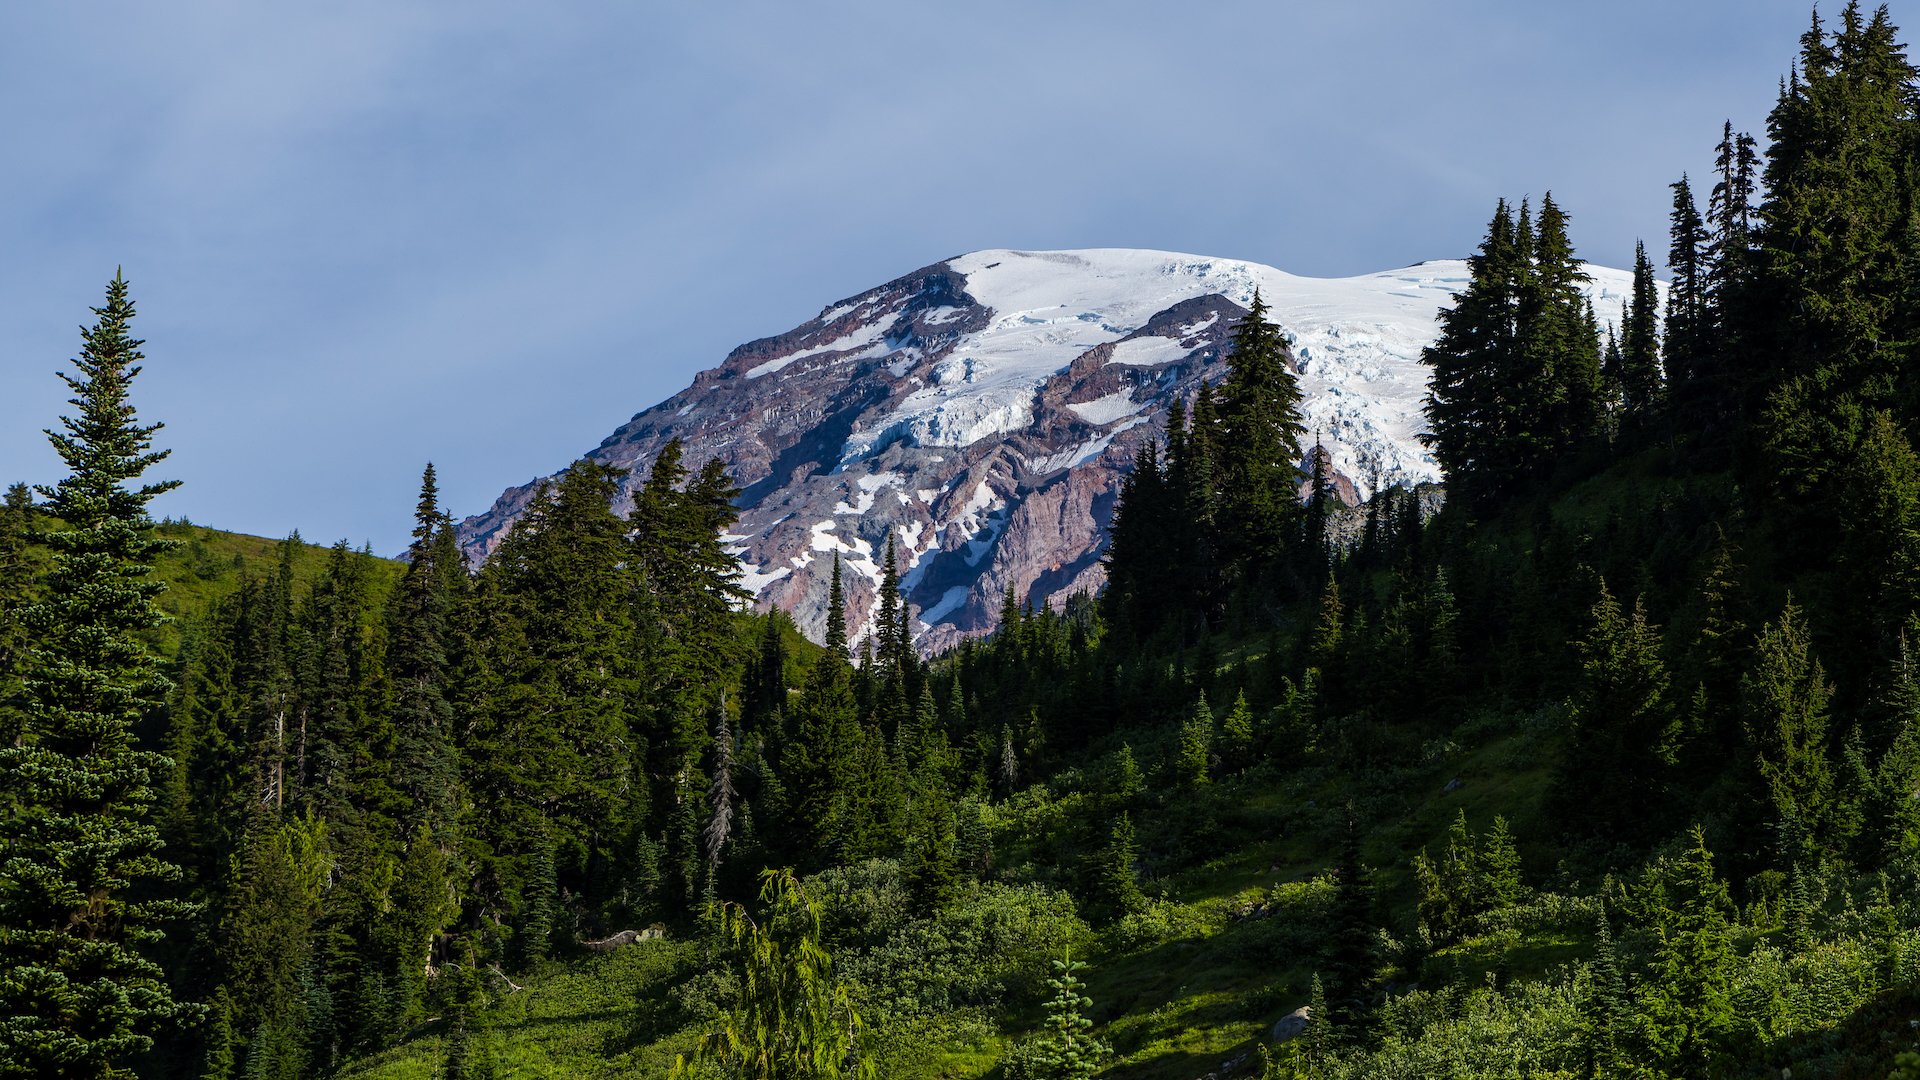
(981, 412)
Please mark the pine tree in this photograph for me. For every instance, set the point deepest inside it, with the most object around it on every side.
(1067, 1049)
(1467, 425)
(1261, 428)
(1687, 323)
(1236, 735)
(418, 627)
(1893, 814)
(1139, 544)
(1350, 956)
(1008, 771)
(1608, 1012)
(1516, 378)
(82, 861)
(1640, 381)
(1191, 766)
(836, 639)
(1685, 1005)
(1829, 266)
(1317, 557)
(1625, 733)
(1499, 865)
(539, 908)
(1116, 884)
(1785, 699)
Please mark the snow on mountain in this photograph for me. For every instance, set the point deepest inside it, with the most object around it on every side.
(981, 412)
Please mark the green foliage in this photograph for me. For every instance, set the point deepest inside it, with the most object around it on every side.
(1191, 765)
(1115, 881)
(1067, 1049)
(1236, 736)
(1515, 380)
(1685, 1004)
(1785, 698)
(1625, 735)
(80, 895)
(792, 1020)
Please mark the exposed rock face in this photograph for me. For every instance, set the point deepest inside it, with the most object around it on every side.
(981, 412)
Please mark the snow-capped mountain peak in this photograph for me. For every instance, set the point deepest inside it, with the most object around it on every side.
(980, 413)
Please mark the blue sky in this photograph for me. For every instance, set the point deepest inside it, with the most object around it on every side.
(366, 235)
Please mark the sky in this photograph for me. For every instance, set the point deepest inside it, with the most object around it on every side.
(366, 235)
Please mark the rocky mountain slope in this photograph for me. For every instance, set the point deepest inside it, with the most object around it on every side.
(981, 412)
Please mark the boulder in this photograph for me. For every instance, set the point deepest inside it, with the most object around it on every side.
(1292, 1025)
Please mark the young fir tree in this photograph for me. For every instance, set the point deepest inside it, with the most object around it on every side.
(1067, 1048)
(1625, 731)
(84, 878)
(1116, 884)
(1785, 698)
(1351, 951)
(1499, 865)
(1685, 1005)
(1607, 1011)
(1192, 761)
(1236, 736)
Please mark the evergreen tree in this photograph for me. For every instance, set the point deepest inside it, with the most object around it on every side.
(1261, 427)
(83, 873)
(1516, 377)
(1317, 557)
(764, 700)
(1067, 1049)
(1685, 1005)
(1785, 699)
(1625, 733)
(1350, 957)
(1607, 1008)
(1828, 261)
(1499, 865)
(1140, 544)
(418, 627)
(1191, 766)
(1640, 381)
(1116, 884)
(1687, 324)
(1465, 415)
(836, 639)
(1236, 736)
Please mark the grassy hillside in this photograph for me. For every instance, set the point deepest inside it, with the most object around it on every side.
(1238, 873)
(209, 563)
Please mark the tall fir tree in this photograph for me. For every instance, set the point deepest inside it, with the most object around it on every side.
(1260, 427)
(1641, 385)
(1687, 325)
(83, 882)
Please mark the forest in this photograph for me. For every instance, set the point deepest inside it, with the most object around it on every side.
(1601, 761)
